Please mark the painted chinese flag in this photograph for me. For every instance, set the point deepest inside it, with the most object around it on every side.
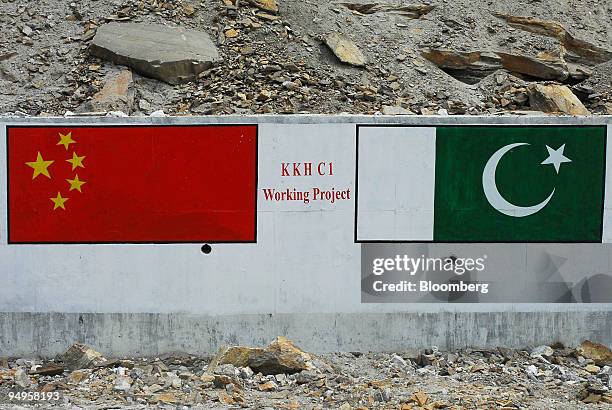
(132, 184)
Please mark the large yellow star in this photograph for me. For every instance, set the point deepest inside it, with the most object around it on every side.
(40, 166)
(76, 161)
(58, 202)
(66, 140)
(76, 183)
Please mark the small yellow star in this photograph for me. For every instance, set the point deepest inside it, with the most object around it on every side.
(76, 161)
(66, 140)
(76, 183)
(58, 202)
(40, 166)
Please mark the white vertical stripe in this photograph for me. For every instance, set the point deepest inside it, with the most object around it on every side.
(607, 219)
(396, 178)
(4, 190)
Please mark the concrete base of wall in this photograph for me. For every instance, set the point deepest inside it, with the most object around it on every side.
(122, 334)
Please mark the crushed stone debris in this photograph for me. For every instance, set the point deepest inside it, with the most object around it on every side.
(540, 377)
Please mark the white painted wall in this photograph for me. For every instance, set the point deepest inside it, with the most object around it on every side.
(390, 160)
(305, 260)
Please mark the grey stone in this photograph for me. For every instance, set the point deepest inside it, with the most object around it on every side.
(531, 370)
(246, 372)
(144, 105)
(154, 388)
(542, 351)
(25, 362)
(27, 30)
(173, 55)
(22, 379)
(137, 373)
(307, 376)
(227, 370)
(398, 361)
(80, 356)
(172, 380)
(423, 360)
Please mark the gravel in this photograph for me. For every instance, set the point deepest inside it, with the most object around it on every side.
(46, 67)
(542, 377)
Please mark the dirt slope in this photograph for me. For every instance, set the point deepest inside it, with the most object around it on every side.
(45, 66)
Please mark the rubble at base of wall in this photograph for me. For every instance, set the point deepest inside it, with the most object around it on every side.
(554, 377)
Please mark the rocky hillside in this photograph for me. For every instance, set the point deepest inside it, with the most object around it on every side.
(305, 56)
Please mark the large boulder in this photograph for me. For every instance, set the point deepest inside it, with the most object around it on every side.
(235, 355)
(545, 66)
(554, 98)
(171, 54)
(280, 356)
(469, 67)
(600, 354)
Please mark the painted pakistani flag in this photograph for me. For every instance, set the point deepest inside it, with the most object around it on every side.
(481, 184)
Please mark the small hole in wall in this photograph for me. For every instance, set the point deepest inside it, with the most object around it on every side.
(206, 249)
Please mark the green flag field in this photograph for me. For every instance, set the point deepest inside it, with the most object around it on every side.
(481, 183)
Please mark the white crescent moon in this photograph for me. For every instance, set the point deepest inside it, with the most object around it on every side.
(496, 200)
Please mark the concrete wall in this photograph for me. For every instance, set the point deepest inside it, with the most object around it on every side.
(47, 334)
(301, 278)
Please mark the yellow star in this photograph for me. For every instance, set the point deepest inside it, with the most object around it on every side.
(66, 140)
(76, 161)
(58, 201)
(40, 166)
(76, 183)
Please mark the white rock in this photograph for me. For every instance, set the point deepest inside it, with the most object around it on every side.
(542, 351)
(122, 384)
(173, 380)
(22, 379)
(27, 30)
(120, 114)
(290, 85)
(158, 113)
(246, 372)
(398, 361)
(395, 110)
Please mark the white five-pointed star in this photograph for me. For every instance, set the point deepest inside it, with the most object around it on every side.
(556, 157)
